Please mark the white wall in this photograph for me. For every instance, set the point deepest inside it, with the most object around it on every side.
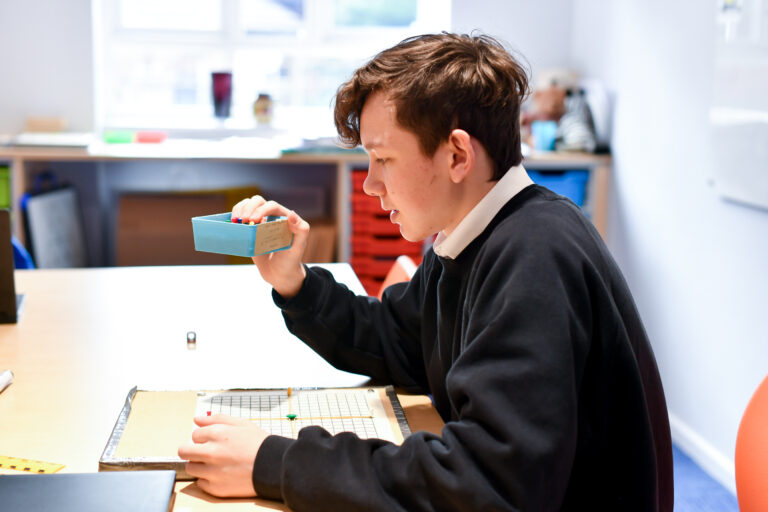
(698, 265)
(540, 31)
(45, 62)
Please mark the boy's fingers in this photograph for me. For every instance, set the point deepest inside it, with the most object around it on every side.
(241, 209)
(202, 435)
(296, 224)
(257, 213)
(205, 485)
(238, 208)
(257, 209)
(193, 452)
(204, 421)
(198, 470)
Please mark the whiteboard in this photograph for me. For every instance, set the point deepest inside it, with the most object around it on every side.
(739, 112)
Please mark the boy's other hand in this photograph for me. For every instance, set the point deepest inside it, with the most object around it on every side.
(223, 454)
(282, 269)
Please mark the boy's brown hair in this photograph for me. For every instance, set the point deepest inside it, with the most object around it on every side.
(440, 82)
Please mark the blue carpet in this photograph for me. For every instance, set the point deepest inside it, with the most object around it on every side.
(696, 491)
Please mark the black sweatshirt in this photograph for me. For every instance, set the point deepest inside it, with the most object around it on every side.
(537, 361)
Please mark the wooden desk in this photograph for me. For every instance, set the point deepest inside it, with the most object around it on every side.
(86, 336)
(24, 160)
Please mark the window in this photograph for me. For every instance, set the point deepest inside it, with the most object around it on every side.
(155, 58)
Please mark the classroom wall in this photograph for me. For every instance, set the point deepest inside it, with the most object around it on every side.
(544, 44)
(695, 262)
(46, 67)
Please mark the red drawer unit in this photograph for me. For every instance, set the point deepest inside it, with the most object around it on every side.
(372, 270)
(372, 245)
(371, 284)
(358, 177)
(366, 205)
(369, 266)
(371, 225)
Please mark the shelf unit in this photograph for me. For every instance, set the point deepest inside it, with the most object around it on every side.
(24, 161)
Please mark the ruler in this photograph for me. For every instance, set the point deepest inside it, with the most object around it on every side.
(28, 466)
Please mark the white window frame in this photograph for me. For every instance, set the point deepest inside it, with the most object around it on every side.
(319, 40)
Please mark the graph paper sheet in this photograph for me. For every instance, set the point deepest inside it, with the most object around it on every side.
(368, 412)
(153, 424)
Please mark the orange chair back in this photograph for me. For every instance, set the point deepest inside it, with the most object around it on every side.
(752, 453)
(402, 270)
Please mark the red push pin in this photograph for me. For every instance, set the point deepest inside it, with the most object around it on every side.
(208, 413)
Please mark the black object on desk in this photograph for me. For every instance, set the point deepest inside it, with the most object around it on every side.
(9, 301)
(126, 491)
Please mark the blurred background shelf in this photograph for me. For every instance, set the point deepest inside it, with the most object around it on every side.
(323, 187)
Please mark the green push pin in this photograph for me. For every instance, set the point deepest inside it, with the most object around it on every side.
(290, 416)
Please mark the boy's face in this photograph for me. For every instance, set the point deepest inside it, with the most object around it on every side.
(415, 189)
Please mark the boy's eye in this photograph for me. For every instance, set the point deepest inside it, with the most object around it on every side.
(381, 161)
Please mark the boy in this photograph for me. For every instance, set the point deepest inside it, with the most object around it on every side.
(518, 321)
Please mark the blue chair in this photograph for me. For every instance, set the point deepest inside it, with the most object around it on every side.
(21, 258)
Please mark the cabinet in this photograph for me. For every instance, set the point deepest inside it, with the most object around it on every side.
(102, 172)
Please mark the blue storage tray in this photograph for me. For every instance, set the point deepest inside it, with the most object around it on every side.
(571, 184)
(216, 233)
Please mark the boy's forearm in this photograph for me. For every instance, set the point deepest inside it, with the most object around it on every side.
(351, 332)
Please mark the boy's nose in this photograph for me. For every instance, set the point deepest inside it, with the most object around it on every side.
(372, 185)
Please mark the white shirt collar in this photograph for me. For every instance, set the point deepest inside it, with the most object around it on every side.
(513, 181)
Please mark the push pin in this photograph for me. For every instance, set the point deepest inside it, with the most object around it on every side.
(191, 340)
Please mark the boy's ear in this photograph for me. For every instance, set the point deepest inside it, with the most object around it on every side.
(462, 155)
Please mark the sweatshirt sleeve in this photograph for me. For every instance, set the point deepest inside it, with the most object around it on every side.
(360, 334)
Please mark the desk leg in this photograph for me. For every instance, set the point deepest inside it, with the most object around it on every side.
(599, 191)
(343, 198)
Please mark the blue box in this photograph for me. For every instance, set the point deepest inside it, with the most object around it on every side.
(544, 135)
(571, 184)
(216, 233)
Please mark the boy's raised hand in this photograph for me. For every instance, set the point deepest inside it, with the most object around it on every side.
(282, 269)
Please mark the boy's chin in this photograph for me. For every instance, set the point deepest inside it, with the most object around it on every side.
(411, 234)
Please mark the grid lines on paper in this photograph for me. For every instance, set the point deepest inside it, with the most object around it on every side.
(335, 411)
